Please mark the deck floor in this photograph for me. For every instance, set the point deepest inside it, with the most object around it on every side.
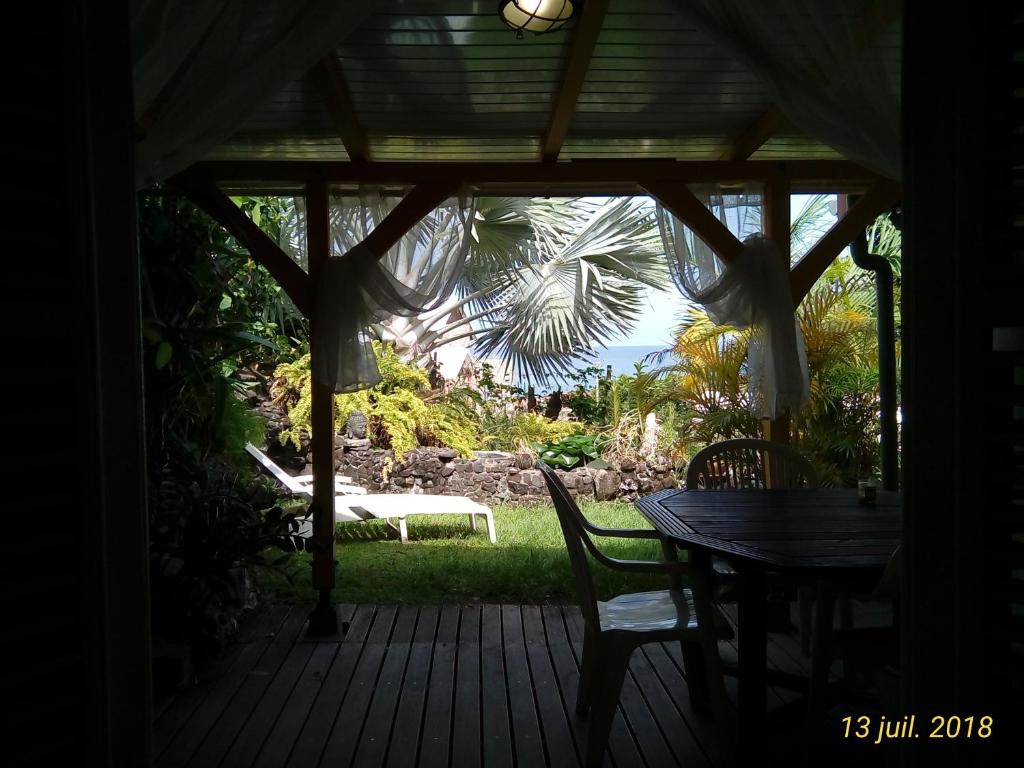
(490, 685)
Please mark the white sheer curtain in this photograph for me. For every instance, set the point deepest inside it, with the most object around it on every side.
(356, 289)
(750, 292)
(834, 67)
(201, 69)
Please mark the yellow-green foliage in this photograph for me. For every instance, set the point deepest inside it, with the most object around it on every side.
(527, 428)
(398, 416)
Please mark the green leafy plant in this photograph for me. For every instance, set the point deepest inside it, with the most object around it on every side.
(205, 526)
(572, 451)
(399, 416)
(505, 433)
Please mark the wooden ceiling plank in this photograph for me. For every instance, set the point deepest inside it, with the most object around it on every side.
(754, 137)
(584, 37)
(685, 206)
(878, 199)
(331, 79)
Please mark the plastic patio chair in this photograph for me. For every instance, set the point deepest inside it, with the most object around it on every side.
(614, 628)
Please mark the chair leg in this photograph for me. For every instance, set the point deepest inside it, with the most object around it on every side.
(403, 530)
(588, 673)
(472, 521)
(607, 688)
(805, 600)
(490, 528)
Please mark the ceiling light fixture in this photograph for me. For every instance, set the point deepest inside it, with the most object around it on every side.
(537, 16)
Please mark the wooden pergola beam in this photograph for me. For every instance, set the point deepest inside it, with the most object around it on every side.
(878, 199)
(685, 206)
(289, 275)
(331, 78)
(584, 37)
(420, 201)
(597, 176)
(754, 137)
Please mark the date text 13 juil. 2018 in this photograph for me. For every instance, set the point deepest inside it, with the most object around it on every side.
(942, 727)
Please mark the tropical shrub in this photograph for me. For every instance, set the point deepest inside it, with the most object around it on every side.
(204, 526)
(504, 433)
(399, 417)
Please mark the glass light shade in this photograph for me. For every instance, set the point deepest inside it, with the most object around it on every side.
(537, 16)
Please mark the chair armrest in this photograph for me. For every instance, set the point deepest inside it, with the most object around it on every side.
(646, 566)
(624, 533)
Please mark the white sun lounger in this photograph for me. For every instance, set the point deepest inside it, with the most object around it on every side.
(353, 504)
(300, 484)
(399, 506)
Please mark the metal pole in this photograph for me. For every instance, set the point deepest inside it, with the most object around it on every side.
(886, 357)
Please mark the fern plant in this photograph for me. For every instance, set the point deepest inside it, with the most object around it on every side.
(399, 417)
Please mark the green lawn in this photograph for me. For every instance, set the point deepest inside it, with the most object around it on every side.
(446, 562)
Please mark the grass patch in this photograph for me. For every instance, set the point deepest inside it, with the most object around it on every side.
(446, 562)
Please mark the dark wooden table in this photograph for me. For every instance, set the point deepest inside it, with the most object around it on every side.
(804, 535)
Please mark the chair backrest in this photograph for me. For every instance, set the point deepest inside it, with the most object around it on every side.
(577, 542)
(750, 463)
(267, 463)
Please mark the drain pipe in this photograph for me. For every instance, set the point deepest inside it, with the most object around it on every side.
(886, 357)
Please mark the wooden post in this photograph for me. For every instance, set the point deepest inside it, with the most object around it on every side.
(323, 620)
(777, 228)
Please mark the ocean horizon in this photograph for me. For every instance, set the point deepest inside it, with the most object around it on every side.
(622, 360)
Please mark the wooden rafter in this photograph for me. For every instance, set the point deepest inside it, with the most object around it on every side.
(598, 177)
(263, 250)
(581, 49)
(754, 137)
(339, 101)
(878, 199)
(420, 201)
(686, 207)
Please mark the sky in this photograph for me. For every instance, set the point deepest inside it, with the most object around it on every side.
(654, 328)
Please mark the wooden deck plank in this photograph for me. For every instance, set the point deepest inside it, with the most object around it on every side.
(221, 679)
(348, 727)
(567, 674)
(405, 736)
(556, 734)
(497, 736)
(621, 745)
(269, 734)
(229, 721)
(671, 723)
(526, 738)
(673, 678)
(643, 723)
(436, 686)
(322, 715)
(466, 736)
(248, 743)
(285, 732)
(282, 736)
(373, 744)
(435, 743)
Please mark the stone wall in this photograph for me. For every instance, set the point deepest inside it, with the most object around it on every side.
(490, 476)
